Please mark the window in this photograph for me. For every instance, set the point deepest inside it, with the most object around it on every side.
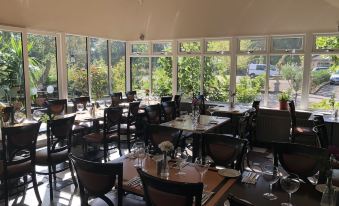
(140, 74)
(286, 76)
(162, 47)
(250, 79)
(218, 46)
(254, 44)
(98, 68)
(42, 68)
(188, 76)
(327, 42)
(12, 85)
(140, 48)
(324, 77)
(189, 47)
(287, 44)
(217, 78)
(118, 66)
(76, 60)
(161, 76)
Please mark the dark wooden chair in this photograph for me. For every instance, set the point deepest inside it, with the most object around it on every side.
(157, 134)
(321, 131)
(295, 130)
(153, 114)
(303, 160)
(162, 192)
(59, 137)
(56, 107)
(18, 156)
(116, 99)
(201, 102)
(110, 132)
(177, 99)
(80, 100)
(97, 180)
(8, 110)
(165, 99)
(130, 95)
(235, 201)
(129, 122)
(224, 150)
(168, 110)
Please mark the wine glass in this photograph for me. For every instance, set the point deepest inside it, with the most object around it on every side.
(289, 184)
(137, 146)
(201, 166)
(37, 114)
(271, 175)
(181, 159)
(80, 107)
(142, 156)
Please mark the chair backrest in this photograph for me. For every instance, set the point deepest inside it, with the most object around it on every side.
(133, 111)
(162, 192)
(18, 140)
(130, 95)
(80, 100)
(177, 99)
(157, 134)
(116, 99)
(256, 106)
(112, 119)
(169, 111)
(235, 201)
(293, 116)
(97, 179)
(243, 125)
(224, 150)
(153, 114)
(57, 107)
(165, 99)
(59, 134)
(320, 130)
(201, 102)
(7, 113)
(303, 160)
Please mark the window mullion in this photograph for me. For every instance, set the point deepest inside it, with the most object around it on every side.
(306, 70)
(26, 73)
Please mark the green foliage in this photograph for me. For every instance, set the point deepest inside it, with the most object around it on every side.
(99, 79)
(323, 104)
(189, 75)
(140, 74)
(319, 77)
(293, 74)
(162, 76)
(284, 96)
(118, 76)
(248, 88)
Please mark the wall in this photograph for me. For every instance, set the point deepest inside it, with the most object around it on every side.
(170, 19)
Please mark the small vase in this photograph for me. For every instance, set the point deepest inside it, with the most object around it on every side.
(164, 167)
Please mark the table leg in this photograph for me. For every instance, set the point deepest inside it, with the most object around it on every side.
(332, 131)
(196, 146)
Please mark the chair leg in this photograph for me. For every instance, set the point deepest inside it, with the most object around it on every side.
(54, 174)
(50, 183)
(35, 186)
(72, 173)
(119, 147)
(6, 192)
(105, 151)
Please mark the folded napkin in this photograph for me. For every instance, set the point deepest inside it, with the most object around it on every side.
(250, 177)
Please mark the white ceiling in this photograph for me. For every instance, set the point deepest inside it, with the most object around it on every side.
(168, 19)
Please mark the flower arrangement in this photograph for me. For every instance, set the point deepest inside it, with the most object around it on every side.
(166, 146)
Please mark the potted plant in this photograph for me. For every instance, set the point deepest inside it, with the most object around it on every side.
(284, 97)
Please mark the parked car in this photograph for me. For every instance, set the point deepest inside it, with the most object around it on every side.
(334, 79)
(319, 69)
(258, 69)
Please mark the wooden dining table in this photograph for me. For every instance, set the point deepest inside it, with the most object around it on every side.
(214, 182)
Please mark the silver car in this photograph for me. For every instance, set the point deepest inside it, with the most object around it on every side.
(334, 79)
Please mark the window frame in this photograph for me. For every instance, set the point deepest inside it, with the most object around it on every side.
(287, 51)
(324, 51)
(140, 43)
(217, 52)
(161, 53)
(252, 52)
(200, 41)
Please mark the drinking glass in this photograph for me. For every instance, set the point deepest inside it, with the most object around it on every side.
(201, 166)
(137, 146)
(289, 184)
(80, 107)
(181, 159)
(271, 175)
(37, 114)
(142, 156)
(19, 116)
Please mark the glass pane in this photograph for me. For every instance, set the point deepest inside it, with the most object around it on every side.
(324, 77)
(76, 60)
(140, 48)
(98, 68)
(118, 66)
(188, 76)
(43, 68)
(250, 79)
(287, 75)
(140, 74)
(217, 78)
(12, 84)
(218, 46)
(162, 47)
(327, 42)
(253, 44)
(190, 46)
(287, 43)
(162, 76)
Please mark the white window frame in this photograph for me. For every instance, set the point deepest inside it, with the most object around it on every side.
(252, 52)
(214, 53)
(287, 51)
(161, 53)
(148, 52)
(200, 41)
(324, 51)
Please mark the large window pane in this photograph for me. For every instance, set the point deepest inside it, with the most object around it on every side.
(98, 68)
(190, 46)
(162, 47)
(118, 66)
(140, 48)
(162, 76)
(42, 67)
(252, 44)
(250, 79)
(217, 78)
(324, 80)
(287, 43)
(140, 74)
(188, 76)
(287, 76)
(327, 42)
(76, 60)
(218, 46)
(12, 86)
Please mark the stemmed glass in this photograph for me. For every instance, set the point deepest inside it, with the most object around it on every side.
(201, 165)
(136, 149)
(181, 159)
(142, 156)
(271, 175)
(289, 184)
